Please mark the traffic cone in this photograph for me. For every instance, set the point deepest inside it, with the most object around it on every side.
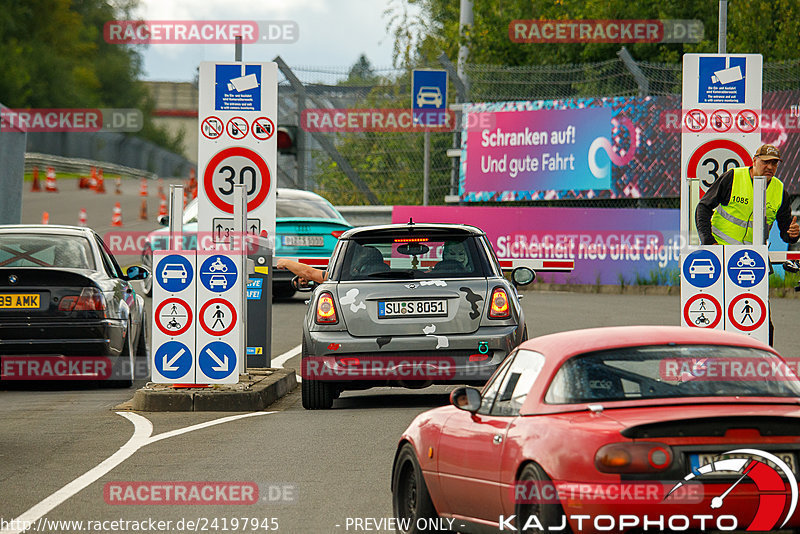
(143, 211)
(160, 187)
(116, 216)
(45, 218)
(82, 217)
(119, 185)
(93, 179)
(101, 188)
(162, 206)
(185, 198)
(143, 187)
(50, 182)
(36, 185)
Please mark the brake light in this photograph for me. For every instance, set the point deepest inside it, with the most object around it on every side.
(499, 308)
(337, 233)
(90, 299)
(633, 457)
(410, 239)
(326, 310)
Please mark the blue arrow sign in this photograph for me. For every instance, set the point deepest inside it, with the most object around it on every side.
(173, 360)
(746, 268)
(218, 273)
(174, 273)
(702, 268)
(217, 360)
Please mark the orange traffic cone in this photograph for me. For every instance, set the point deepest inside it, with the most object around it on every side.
(143, 211)
(118, 181)
(116, 217)
(101, 188)
(162, 206)
(45, 218)
(82, 217)
(143, 187)
(160, 187)
(50, 182)
(36, 185)
(93, 179)
(185, 197)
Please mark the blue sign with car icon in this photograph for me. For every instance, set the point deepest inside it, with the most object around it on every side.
(746, 268)
(218, 273)
(702, 268)
(174, 273)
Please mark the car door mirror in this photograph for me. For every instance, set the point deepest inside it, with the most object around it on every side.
(467, 399)
(306, 285)
(522, 276)
(163, 220)
(136, 272)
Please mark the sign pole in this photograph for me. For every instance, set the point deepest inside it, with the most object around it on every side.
(427, 168)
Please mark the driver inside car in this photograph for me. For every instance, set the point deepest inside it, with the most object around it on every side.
(454, 257)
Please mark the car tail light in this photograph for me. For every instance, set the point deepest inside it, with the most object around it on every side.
(350, 361)
(633, 458)
(90, 299)
(326, 309)
(411, 240)
(337, 233)
(499, 308)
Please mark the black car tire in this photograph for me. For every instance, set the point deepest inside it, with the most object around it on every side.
(410, 497)
(316, 394)
(129, 353)
(147, 261)
(549, 514)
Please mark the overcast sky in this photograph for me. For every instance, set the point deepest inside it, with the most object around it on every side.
(332, 33)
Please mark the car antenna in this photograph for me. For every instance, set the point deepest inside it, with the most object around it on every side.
(410, 221)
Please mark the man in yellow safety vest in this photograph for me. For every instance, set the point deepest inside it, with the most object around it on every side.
(724, 215)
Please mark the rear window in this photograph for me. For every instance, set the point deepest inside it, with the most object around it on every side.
(36, 250)
(305, 208)
(389, 258)
(671, 372)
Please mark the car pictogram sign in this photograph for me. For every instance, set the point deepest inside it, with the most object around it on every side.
(237, 165)
(702, 311)
(174, 273)
(217, 317)
(212, 127)
(702, 268)
(218, 273)
(746, 268)
(747, 312)
(173, 316)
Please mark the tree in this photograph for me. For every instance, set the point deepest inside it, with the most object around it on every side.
(361, 73)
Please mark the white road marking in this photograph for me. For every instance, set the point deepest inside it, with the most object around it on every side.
(142, 428)
(278, 362)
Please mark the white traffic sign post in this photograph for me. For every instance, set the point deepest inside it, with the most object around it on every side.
(721, 286)
(243, 97)
(174, 325)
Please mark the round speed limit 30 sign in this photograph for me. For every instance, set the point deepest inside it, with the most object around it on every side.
(232, 166)
(714, 158)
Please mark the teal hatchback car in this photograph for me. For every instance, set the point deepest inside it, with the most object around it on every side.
(306, 226)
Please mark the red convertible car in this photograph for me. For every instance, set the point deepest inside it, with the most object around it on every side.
(622, 429)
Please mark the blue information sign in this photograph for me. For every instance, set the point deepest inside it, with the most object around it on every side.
(702, 268)
(428, 96)
(173, 360)
(237, 88)
(746, 268)
(721, 80)
(218, 273)
(217, 360)
(174, 273)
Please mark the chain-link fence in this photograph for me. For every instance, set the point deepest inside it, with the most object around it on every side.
(390, 164)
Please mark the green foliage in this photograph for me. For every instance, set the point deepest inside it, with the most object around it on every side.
(659, 277)
(53, 55)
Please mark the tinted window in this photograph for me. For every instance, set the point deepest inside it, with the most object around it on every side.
(517, 382)
(304, 207)
(672, 371)
(400, 258)
(36, 250)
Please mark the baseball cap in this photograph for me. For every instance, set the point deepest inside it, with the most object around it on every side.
(768, 152)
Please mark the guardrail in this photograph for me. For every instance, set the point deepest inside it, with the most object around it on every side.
(81, 166)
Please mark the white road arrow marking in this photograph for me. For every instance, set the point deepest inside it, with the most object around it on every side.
(169, 365)
(222, 365)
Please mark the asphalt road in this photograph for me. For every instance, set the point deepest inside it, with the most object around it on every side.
(317, 472)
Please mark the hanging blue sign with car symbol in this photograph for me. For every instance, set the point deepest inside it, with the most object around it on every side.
(174, 273)
(218, 273)
(702, 268)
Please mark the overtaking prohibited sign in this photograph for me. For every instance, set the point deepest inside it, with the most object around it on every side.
(237, 165)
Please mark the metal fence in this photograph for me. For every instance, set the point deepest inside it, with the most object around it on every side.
(390, 163)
